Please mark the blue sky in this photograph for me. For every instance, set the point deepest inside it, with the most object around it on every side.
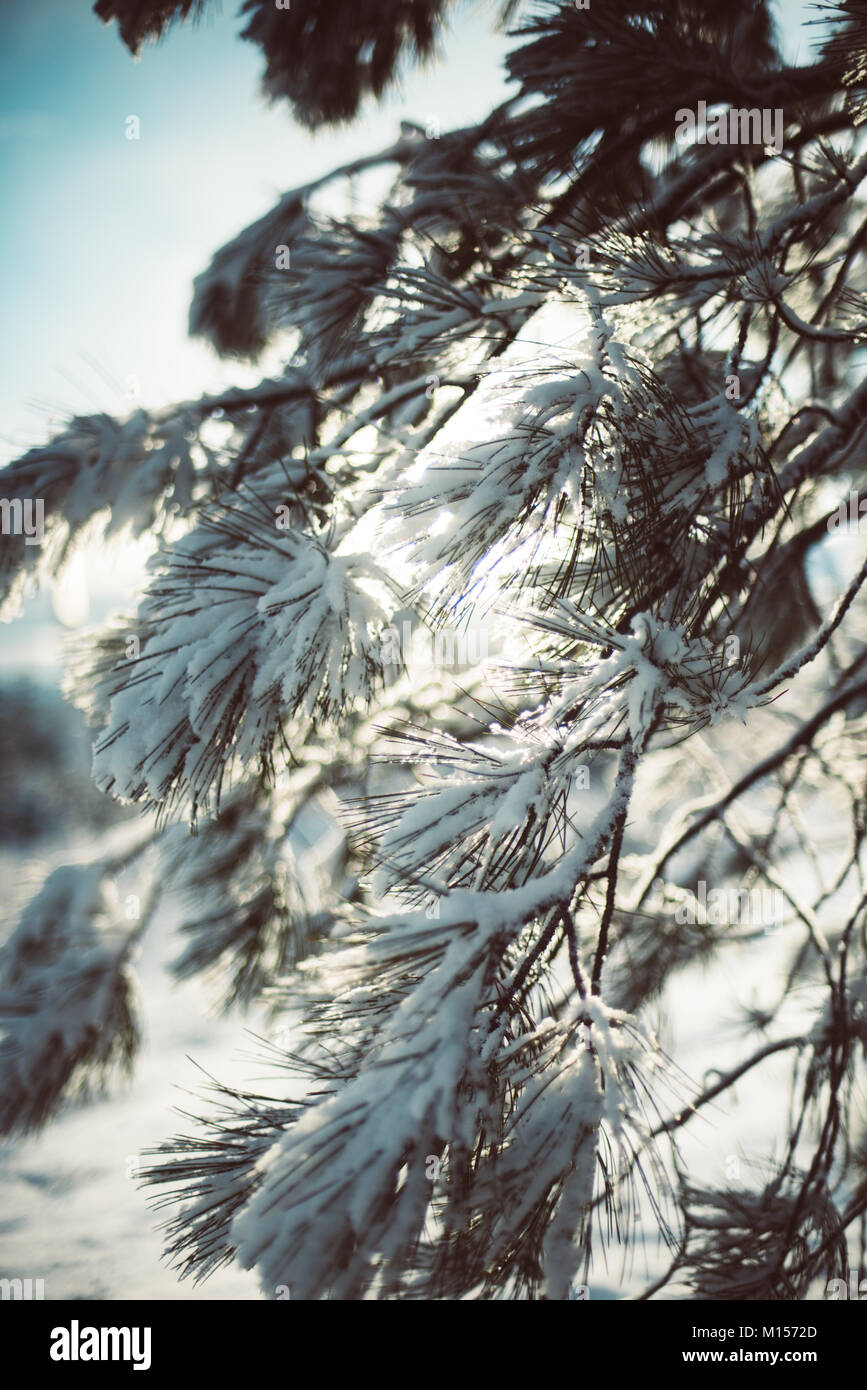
(101, 236)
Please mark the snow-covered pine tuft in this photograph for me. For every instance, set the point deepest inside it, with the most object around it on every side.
(252, 631)
(447, 1116)
(67, 997)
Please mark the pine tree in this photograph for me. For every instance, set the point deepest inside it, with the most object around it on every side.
(590, 389)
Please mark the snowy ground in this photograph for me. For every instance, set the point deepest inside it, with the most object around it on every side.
(71, 1212)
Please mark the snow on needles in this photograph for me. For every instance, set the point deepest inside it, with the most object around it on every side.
(238, 640)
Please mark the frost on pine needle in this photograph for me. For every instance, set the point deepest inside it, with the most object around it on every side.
(574, 1129)
(267, 628)
(656, 670)
(477, 818)
(577, 473)
(67, 998)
